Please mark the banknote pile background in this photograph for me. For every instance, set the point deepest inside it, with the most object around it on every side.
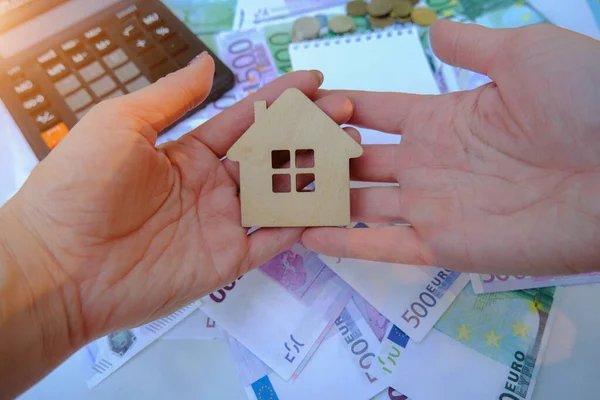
(302, 324)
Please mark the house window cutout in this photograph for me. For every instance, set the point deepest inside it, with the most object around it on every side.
(282, 183)
(305, 158)
(280, 159)
(305, 183)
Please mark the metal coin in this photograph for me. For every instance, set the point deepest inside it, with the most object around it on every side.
(379, 8)
(401, 8)
(381, 22)
(423, 16)
(341, 24)
(404, 20)
(356, 8)
(305, 28)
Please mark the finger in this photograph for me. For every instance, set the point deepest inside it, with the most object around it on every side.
(468, 46)
(378, 163)
(164, 102)
(386, 112)
(377, 204)
(337, 107)
(266, 243)
(222, 131)
(397, 244)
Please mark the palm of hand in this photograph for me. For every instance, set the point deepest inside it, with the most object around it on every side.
(164, 222)
(490, 179)
(499, 164)
(143, 231)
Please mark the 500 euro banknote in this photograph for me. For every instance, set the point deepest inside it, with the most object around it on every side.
(489, 283)
(484, 347)
(280, 310)
(340, 367)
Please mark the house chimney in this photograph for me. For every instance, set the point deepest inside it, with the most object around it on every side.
(259, 109)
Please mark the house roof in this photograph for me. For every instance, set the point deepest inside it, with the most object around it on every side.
(293, 121)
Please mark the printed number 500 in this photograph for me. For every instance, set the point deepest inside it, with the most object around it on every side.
(418, 309)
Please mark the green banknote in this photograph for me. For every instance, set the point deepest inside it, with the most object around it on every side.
(491, 344)
(204, 16)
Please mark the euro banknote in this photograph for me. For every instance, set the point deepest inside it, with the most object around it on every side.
(390, 394)
(490, 283)
(377, 322)
(104, 356)
(484, 347)
(340, 368)
(197, 326)
(412, 297)
(252, 13)
(280, 310)
(204, 16)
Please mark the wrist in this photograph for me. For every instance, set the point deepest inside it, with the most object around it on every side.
(40, 318)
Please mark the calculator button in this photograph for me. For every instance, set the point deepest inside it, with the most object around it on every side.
(150, 19)
(15, 72)
(57, 71)
(24, 88)
(138, 84)
(186, 57)
(92, 71)
(45, 119)
(67, 85)
(82, 113)
(104, 45)
(47, 57)
(152, 58)
(81, 59)
(35, 103)
(176, 45)
(127, 72)
(162, 32)
(114, 95)
(78, 100)
(71, 45)
(140, 45)
(93, 33)
(55, 134)
(161, 70)
(116, 58)
(129, 11)
(103, 86)
(131, 31)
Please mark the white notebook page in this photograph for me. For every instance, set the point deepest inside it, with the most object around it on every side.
(388, 60)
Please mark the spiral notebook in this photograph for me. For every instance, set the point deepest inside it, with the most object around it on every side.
(388, 60)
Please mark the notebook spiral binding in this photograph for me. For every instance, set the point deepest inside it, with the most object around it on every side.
(395, 30)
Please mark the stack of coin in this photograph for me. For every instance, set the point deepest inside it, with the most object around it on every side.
(382, 13)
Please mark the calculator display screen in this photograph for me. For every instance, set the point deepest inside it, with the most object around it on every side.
(15, 12)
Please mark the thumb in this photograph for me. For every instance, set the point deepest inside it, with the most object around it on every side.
(167, 100)
(469, 46)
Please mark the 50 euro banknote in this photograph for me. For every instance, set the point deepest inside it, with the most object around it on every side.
(281, 310)
(340, 367)
(104, 356)
(490, 283)
(484, 347)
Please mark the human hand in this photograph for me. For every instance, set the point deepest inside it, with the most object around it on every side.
(504, 178)
(137, 232)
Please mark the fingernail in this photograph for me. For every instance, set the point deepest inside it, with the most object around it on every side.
(198, 57)
(319, 75)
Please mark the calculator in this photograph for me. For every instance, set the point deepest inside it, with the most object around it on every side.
(50, 86)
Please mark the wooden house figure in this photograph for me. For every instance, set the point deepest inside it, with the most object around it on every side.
(319, 150)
